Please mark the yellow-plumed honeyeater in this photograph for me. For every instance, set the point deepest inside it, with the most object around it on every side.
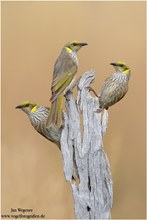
(65, 69)
(38, 116)
(115, 87)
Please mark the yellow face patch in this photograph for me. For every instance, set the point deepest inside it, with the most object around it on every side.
(126, 71)
(68, 49)
(34, 108)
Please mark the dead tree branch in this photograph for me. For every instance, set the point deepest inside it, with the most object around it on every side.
(86, 166)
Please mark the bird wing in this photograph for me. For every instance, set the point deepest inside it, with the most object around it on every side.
(108, 84)
(65, 69)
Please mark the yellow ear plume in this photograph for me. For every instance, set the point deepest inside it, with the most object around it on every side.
(34, 108)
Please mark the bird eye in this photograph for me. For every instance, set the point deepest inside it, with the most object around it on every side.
(74, 44)
(121, 65)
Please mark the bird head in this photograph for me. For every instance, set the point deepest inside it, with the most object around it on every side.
(74, 46)
(27, 106)
(121, 67)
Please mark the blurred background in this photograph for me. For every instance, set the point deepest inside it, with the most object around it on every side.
(33, 34)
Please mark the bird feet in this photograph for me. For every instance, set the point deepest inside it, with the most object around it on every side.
(67, 95)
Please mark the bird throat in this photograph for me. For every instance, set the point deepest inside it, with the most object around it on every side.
(72, 54)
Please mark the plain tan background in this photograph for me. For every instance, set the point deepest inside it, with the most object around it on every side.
(33, 34)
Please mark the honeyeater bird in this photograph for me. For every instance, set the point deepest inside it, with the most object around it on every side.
(65, 69)
(38, 116)
(115, 87)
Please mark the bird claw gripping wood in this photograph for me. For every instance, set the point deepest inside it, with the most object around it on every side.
(67, 95)
(92, 90)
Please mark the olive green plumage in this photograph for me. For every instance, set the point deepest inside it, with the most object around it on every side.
(115, 87)
(65, 69)
(38, 116)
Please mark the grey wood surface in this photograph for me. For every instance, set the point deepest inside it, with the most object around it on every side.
(86, 166)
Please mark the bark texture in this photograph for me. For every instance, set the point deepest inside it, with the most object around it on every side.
(86, 166)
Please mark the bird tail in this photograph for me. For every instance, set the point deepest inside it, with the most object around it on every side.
(55, 114)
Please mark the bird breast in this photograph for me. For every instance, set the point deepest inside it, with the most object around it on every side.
(114, 89)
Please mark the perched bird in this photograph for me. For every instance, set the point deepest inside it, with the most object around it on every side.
(38, 116)
(65, 69)
(115, 87)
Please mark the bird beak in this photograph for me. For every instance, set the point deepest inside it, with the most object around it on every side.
(113, 64)
(83, 44)
(18, 106)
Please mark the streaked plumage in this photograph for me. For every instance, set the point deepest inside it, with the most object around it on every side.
(115, 87)
(38, 116)
(65, 69)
